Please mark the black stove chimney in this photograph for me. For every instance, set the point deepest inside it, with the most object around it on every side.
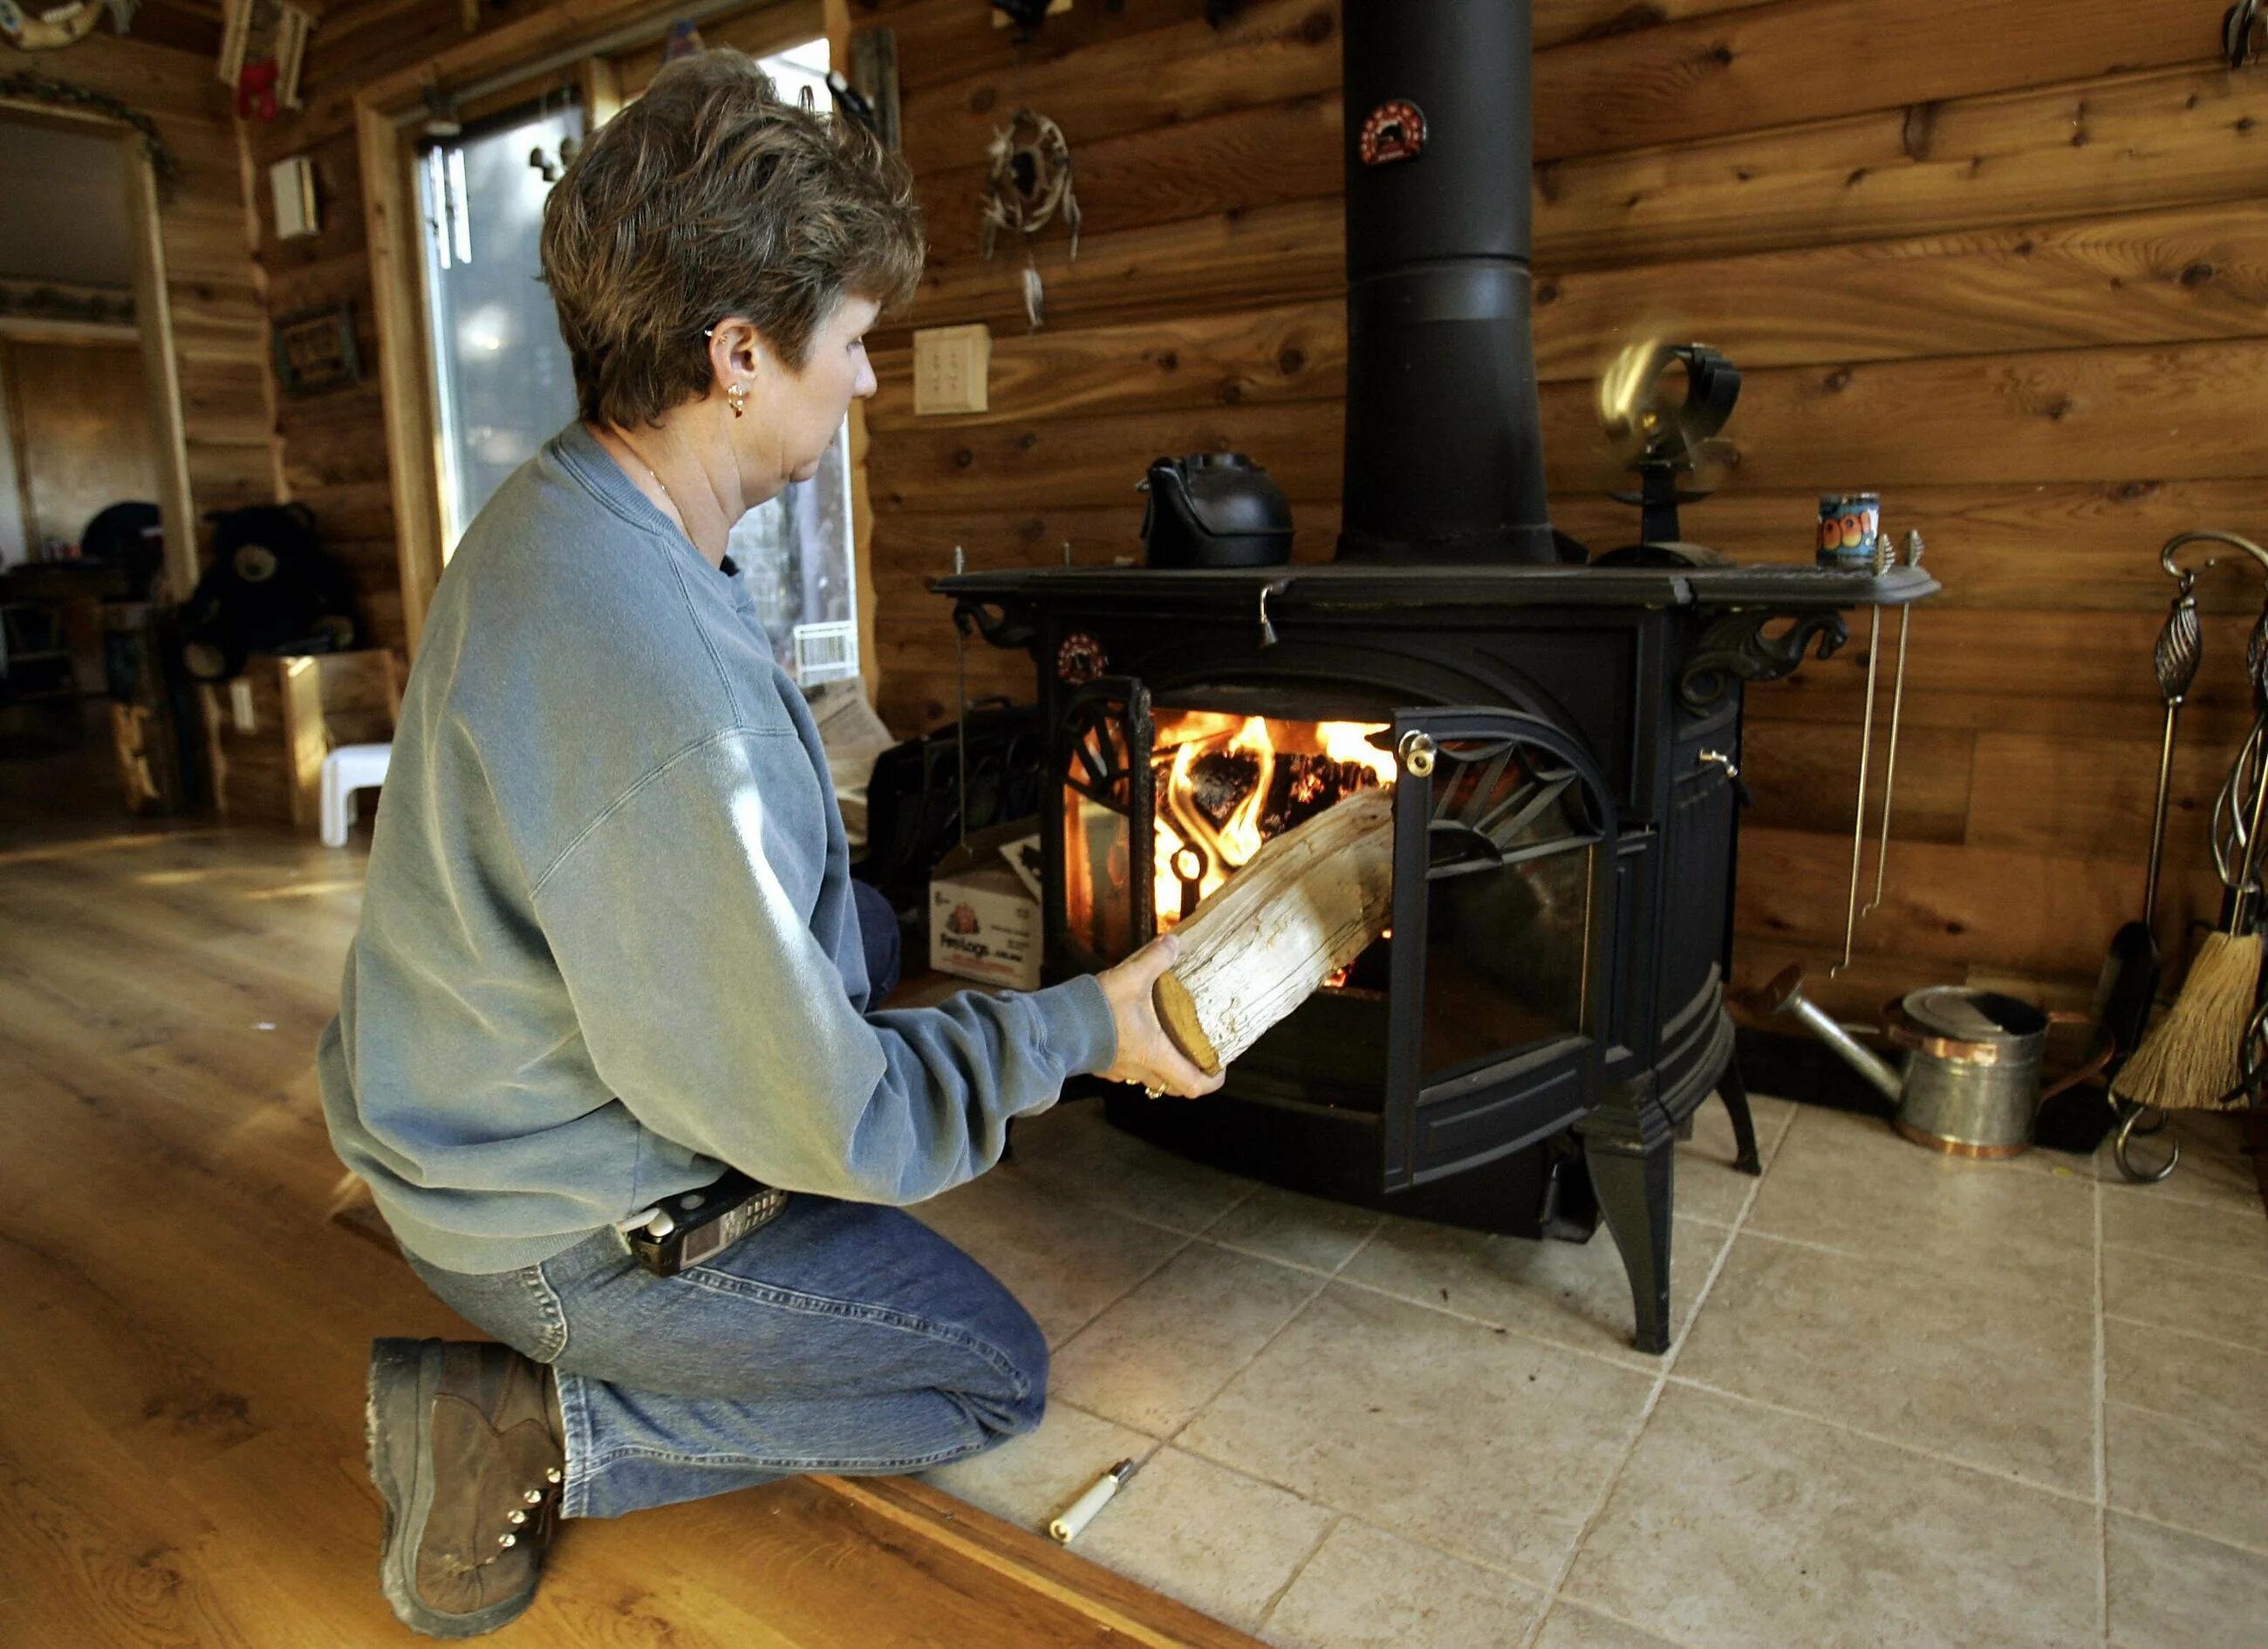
(1444, 447)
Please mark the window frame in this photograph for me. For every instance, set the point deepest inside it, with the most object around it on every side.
(609, 53)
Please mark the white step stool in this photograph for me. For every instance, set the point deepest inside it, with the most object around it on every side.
(350, 767)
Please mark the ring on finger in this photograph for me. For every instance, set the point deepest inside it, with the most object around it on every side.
(1153, 1093)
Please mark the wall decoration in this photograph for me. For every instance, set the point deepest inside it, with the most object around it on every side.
(262, 45)
(60, 25)
(1029, 187)
(291, 52)
(87, 305)
(30, 86)
(315, 350)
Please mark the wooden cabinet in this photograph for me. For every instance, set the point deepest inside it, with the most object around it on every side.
(268, 730)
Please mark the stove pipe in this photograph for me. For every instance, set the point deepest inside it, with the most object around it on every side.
(1444, 443)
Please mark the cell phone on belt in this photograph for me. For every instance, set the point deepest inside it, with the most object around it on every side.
(698, 1225)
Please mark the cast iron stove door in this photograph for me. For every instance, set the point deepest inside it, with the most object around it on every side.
(1503, 933)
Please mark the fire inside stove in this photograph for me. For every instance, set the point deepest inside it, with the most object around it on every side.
(1226, 784)
(1222, 782)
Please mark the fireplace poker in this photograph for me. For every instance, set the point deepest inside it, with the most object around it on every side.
(2128, 989)
(1913, 549)
(1859, 819)
(1076, 1516)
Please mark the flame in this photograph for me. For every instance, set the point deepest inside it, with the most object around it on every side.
(1194, 856)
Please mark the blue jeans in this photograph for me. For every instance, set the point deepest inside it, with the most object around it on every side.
(840, 1338)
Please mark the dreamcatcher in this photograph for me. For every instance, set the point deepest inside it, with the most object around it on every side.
(1030, 186)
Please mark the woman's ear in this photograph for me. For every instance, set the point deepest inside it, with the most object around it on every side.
(736, 353)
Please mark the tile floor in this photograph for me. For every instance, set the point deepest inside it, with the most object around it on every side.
(1914, 1400)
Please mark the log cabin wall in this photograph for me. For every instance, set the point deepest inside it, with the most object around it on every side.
(2004, 260)
(164, 70)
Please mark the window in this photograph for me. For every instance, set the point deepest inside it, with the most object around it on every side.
(501, 375)
(504, 386)
(797, 548)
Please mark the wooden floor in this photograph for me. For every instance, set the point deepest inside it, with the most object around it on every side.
(184, 1333)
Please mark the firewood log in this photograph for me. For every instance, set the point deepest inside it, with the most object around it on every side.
(1306, 905)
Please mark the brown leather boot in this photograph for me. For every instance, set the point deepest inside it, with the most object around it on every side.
(466, 1452)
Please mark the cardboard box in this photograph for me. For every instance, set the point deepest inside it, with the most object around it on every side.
(983, 923)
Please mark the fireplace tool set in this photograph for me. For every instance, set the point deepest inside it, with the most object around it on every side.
(1834, 512)
(1971, 1083)
(2210, 1052)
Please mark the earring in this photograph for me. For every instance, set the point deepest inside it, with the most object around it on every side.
(737, 398)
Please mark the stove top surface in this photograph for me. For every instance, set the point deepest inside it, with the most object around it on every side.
(1781, 587)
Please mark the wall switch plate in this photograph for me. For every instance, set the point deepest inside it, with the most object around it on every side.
(951, 365)
(239, 705)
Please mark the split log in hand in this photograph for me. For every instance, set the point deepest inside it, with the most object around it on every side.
(1308, 903)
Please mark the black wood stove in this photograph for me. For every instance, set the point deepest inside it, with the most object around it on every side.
(1562, 736)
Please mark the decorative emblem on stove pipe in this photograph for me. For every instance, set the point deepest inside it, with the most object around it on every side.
(1395, 131)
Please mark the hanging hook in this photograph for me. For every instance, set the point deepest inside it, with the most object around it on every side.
(2208, 535)
(1274, 587)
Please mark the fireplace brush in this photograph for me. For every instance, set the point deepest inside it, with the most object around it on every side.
(2200, 1056)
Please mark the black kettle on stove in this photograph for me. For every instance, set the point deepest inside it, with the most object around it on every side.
(1214, 509)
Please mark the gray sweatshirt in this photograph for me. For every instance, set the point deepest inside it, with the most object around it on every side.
(607, 944)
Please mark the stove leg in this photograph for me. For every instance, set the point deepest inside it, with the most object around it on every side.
(1733, 1088)
(1634, 1194)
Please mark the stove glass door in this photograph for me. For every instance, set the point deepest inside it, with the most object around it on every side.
(1502, 926)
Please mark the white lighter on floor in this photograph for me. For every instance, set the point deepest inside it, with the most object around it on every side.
(1080, 1512)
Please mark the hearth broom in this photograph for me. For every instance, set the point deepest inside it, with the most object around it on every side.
(2192, 1060)
(2127, 991)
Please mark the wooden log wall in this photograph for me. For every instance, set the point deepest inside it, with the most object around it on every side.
(2005, 259)
(220, 341)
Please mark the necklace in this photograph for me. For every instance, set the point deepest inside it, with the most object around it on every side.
(658, 480)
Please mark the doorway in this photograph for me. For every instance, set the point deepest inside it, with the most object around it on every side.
(84, 453)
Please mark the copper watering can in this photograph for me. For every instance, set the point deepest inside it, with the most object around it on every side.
(1971, 1081)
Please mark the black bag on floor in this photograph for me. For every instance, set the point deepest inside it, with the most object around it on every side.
(913, 801)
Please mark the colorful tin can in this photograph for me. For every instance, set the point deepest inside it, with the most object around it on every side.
(1850, 530)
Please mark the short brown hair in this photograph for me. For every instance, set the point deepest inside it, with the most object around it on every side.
(707, 197)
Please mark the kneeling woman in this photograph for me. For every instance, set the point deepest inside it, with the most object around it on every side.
(609, 950)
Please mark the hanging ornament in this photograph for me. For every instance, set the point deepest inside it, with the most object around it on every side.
(60, 25)
(255, 91)
(1029, 187)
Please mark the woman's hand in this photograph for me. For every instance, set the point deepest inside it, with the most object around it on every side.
(1147, 1056)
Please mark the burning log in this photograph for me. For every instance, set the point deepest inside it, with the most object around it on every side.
(1310, 902)
(1220, 780)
